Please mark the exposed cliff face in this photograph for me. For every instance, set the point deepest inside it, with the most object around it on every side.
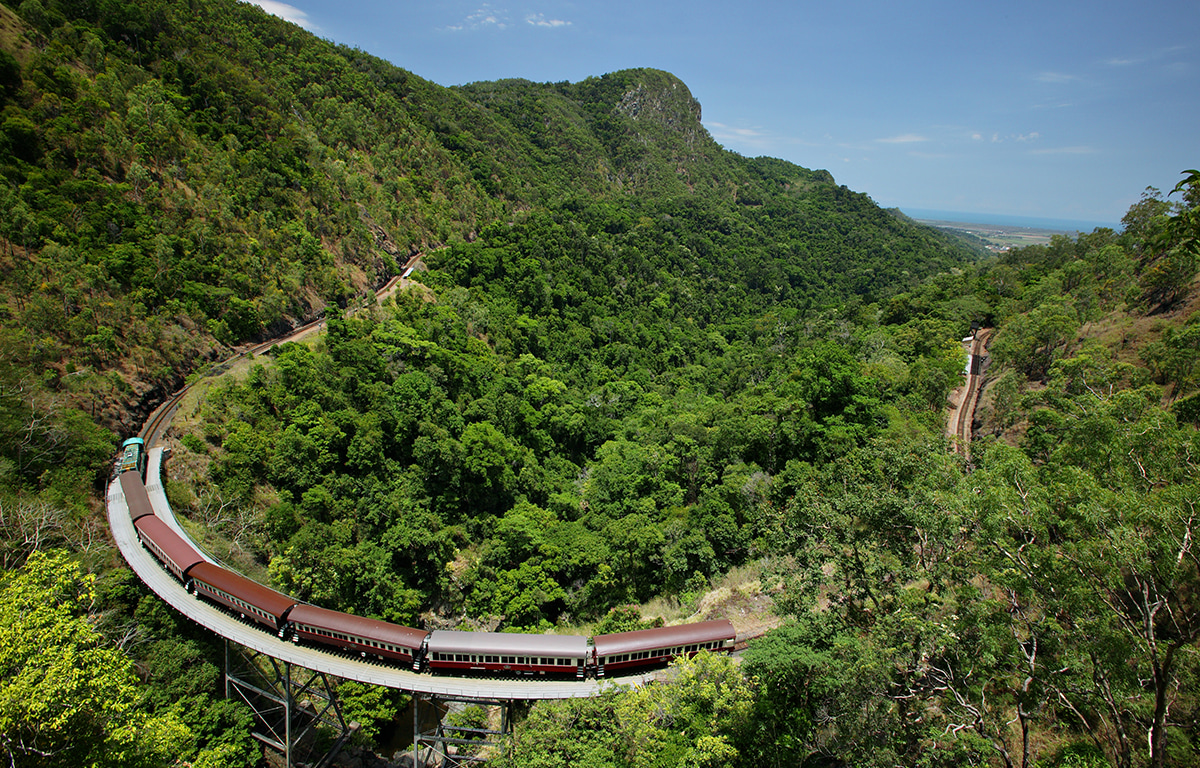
(669, 104)
(660, 113)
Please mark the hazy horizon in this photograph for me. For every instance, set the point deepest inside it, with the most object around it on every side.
(1067, 226)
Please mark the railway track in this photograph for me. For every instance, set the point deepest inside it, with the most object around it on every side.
(160, 419)
(964, 415)
(343, 665)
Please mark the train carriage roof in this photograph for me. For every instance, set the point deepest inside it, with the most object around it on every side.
(507, 644)
(663, 637)
(136, 497)
(180, 552)
(274, 603)
(359, 626)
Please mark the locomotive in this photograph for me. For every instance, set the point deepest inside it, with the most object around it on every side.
(437, 651)
(132, 458)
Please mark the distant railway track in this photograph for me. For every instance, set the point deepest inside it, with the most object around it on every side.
(964, 415)
(160, 419)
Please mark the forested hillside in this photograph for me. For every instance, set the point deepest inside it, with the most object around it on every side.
(638, 362)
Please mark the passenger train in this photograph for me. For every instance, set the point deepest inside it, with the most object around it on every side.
(437, 651)
(131, 458)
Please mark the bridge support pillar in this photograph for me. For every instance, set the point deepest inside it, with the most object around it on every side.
(295, 709)
(450, 735)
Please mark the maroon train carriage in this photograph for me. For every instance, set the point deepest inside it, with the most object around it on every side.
(136, 497)
(248, 598)
(647, 647)
(503, 652)
(355, 633)
(169, 547)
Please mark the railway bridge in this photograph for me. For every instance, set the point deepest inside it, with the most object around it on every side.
(288, 685)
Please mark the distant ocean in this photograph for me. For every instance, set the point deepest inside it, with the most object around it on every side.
(1030, 222)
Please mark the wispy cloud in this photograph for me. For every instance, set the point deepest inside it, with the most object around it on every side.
(907, 138)
(720, 129)
(287, 13)
(1020, 138)
(540, 20)
(486, 17)
(757, 140)
(1055, 77)
(1064, 151)
(1161, 53)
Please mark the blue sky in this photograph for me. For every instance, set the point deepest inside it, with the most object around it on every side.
(1063, 110)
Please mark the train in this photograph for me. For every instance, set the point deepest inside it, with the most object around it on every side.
(132, 457)
(437, 651)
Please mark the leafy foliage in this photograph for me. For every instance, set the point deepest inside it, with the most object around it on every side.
(638, 361)
(69, 698)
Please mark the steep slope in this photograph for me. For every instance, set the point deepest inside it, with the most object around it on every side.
(184, 176)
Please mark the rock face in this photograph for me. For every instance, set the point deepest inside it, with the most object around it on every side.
(662, 117)
(669, 103)
(661, 107)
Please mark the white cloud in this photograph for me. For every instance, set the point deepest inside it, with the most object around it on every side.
(540, 20)
(483, 18)
(907, 138)
(287, 13)
(1022, 138)
(720, 129)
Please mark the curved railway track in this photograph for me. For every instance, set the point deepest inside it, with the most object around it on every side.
(160, 418)
(315, 658)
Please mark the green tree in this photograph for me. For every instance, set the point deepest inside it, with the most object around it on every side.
(66, 697)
